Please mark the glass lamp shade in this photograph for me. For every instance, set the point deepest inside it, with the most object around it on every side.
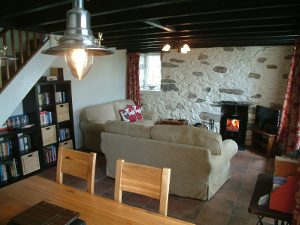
(79, 62)
(166, 48)
(186, 47)
(183, 50)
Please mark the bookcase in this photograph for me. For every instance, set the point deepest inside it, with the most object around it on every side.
(28, 150)
(49, 104)
(16, 146)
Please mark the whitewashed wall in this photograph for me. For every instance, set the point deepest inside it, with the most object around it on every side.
(105, 82)
(193, 84)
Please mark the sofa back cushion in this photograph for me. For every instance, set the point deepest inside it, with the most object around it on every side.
(129, 129)
(100, 113)
(188, 135)
(121, 104)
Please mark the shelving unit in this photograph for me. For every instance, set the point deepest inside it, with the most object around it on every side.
(25, 152)
(264, 142)
(13, 150)
(49, 104)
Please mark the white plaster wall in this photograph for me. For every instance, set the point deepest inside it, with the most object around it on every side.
(191, 86)
(105, 82)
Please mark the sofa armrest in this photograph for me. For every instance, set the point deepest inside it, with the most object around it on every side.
(92, 127)
(150, 116)
(230, 148)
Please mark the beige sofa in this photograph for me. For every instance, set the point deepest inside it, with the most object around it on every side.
(93, 118)
(199, 159)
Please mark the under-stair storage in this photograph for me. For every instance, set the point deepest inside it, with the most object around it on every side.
(49, 104)
(16, 148)
(28, 148)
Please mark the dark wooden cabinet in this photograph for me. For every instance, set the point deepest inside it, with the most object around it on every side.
(24, 152)
(264, 142)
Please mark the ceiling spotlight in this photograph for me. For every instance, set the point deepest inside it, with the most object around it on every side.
(185, 49)
(78, 44)
(166, 48)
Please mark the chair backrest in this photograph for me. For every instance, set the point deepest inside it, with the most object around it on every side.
(78, 164)
(144, 180)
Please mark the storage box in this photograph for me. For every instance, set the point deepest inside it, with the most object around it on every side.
(49, 135)
(62, 112)
(67, 144)
(283, 198)
(285, 167)
(30, 162)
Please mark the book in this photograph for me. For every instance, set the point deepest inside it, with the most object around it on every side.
(45, 213)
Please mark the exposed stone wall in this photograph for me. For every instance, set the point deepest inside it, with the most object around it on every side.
(192, 84)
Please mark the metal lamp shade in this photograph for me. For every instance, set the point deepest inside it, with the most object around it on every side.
(78, 34)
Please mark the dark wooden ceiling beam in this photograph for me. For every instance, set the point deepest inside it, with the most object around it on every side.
(188, 14)
(216, 43)
(186, 11)
(218, 30)
(107, 9)
(29, 7)
(190, 39)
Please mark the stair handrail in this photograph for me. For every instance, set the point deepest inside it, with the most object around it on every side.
(26, 43)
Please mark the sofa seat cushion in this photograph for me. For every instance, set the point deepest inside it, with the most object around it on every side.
(125, 128)
(188, 135)
(100, 113)
(144, 122)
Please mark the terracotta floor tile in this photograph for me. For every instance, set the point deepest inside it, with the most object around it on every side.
(136, 200)
(239, 220)
(102, 187)
(220, 204)
(210, 216)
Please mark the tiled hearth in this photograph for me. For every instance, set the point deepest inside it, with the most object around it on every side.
(229, 206)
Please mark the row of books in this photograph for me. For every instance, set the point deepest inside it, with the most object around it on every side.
(46, 118)
(5, 148)
(50, 154)
(44, 98)
(60, 96)
(8, 169)
(24, 142)
(64, 134)
(17, 121)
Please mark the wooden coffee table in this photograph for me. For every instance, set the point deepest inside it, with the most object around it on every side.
(172, 122)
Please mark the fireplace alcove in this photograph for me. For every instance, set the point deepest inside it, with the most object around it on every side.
(233, 123)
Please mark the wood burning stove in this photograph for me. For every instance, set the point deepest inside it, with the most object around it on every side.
(233, 124)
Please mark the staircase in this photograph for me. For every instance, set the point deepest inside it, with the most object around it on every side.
(18, 77)
(22, 45)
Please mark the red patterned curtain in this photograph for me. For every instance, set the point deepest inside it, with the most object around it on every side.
(289, 130)
(133, 84)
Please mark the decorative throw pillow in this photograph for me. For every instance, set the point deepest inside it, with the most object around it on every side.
(138, 111)
(128, 114)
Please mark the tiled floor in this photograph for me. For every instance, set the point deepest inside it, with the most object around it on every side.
(229, 206)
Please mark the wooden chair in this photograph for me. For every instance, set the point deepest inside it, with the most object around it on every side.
(145, 180)
(78, 164)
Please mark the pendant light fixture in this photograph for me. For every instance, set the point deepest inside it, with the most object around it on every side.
(184, 49)
(78, 44)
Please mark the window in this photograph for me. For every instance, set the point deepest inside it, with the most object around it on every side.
(150, 71)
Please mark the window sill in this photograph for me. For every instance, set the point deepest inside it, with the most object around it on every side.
(150, 92)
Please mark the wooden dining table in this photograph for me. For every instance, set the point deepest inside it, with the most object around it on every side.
(94, 209)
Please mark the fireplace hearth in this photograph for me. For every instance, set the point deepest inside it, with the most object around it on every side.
(234, 119)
